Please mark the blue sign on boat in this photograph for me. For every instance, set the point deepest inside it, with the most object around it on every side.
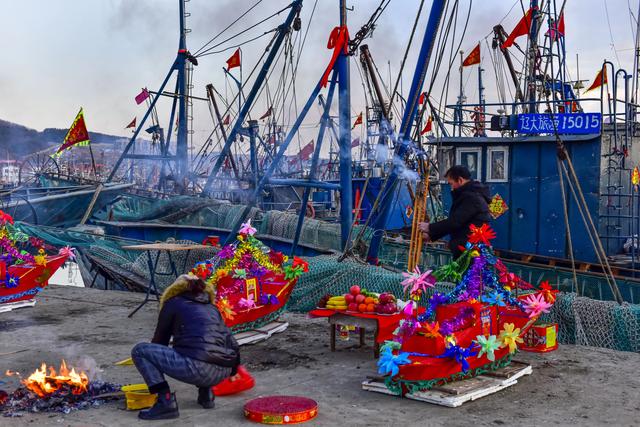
(574, 123)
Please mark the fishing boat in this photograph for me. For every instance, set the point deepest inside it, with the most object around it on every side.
(24, 281)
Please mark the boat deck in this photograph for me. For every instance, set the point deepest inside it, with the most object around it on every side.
(574, 385)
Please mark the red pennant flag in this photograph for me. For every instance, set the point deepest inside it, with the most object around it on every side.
(556, 30)
(427, 127)
(227, 120)
(140, 98)
(355, 142)
(358, 121)
(234, 61)
(132, 124)
(77, 135)
(306, 151)
(339, 42)
(601, 79)
(473, 58)
(423, 97)
(521, 29)
(267, 114)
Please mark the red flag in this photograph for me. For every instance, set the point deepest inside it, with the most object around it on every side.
(226, 120)
(521, 29)
(142, 96)
(556, 29)
(234, 61)
(355, 142)
(427, 127)
(423, 96)
(473, 58)
(304, 153)
(132, 124)
(601, 79)
(339, 42)
(358, 121)
(77, 135)
(267, 114)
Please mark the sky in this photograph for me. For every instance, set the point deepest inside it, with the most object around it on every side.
(60, 55)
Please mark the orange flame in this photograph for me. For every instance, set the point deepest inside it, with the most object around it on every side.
(44, 384)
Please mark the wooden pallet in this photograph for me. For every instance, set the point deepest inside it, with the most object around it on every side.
(456, 393)
(256, 335)
(18, 304)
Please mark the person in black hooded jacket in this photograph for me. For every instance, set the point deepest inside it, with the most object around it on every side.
(470, 205)
(204, 351)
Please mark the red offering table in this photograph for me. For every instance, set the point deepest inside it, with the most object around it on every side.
(281, 410)
(385, 324)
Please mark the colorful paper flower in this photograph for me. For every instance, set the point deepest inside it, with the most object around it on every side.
(247, 229)
(239, 273)
(5, 218)
(494, 298)
(246, 303)
(488, 346)
(510, 337)
(41, 258)
(535, 305)
(416, 282)
(225, 309)
(226, 252)
(68, 251)
(548, 292)
(12, 281)
(460, 354)
(276, 257)
(389, 363)
(299, 262)
(432, 329)
(509, 280)
(483, 234)
(269, 299)
(449, 272)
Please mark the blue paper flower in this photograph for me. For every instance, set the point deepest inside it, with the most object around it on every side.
(460, 354)
(12, 281)
(494, 298)
(388, 364)
(269, 299)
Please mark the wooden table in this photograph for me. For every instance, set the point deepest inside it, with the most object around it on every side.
(169, 248)
(362, 323)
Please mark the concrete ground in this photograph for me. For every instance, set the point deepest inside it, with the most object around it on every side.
(571, 386)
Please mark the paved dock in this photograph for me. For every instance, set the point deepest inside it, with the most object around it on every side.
(574, 385)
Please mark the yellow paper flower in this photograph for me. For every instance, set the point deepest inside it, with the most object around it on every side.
(225, 309)
(41, 258)
(510, 337)
(450, 340)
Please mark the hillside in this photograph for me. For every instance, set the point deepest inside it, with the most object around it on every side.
(17, 141)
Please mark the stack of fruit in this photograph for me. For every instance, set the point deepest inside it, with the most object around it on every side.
(337, 303)
(360, 300)
(387, 304)
(323, 301)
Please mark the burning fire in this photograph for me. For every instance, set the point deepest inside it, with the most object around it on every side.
(43, 384)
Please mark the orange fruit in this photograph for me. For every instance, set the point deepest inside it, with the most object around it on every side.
(368, 300)
(370, 307)
(362, 308)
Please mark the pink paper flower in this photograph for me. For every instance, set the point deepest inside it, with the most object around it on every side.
(535, 305)
(68, 252)
(246, 303)
(247, 229)
(417, 282)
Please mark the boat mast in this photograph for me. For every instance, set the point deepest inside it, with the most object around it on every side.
(532, 56)
(344, 144)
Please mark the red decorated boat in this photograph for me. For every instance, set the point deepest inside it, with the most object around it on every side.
(253, 283)
(24, 281)
(473, 329)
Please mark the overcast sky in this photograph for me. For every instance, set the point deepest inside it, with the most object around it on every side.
(63, 54)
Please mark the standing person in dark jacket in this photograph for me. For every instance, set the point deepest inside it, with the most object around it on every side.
(470, 205)
(203, 354)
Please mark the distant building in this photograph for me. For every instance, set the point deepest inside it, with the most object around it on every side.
(9, 171)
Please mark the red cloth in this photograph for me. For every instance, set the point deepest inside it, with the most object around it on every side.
(339, 42)
(386, 323)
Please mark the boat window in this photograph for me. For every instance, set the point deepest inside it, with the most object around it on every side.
(446, 159)
(472, 159)
(497, 164)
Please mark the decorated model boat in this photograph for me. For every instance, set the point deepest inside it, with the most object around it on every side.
(252, 281)
(471, 330)
(23, 275)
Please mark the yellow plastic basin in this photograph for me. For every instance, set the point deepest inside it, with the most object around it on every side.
(138, 396)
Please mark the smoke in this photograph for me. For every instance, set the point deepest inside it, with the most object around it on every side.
(82, 362)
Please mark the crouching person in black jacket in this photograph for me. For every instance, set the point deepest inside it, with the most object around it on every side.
(469, 205)
(203, 354)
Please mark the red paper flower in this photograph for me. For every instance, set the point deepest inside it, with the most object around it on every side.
(276, 257)
(482, 234)
(547, 292)
(5, 217)
(300, 262)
